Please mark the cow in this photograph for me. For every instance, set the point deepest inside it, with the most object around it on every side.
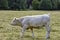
(34, 21)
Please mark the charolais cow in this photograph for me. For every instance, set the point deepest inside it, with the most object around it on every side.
(34, 21)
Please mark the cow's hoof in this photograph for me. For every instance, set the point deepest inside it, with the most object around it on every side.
(48, 38)
(21, 36)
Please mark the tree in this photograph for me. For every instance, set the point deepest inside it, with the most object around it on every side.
(58, 2)
(35, 4)
(42, 4)
(4, 4)
(45, 4)
(32, 4)
(54, 4)
(29, 3)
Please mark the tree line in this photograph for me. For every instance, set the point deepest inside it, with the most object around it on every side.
(30, 4)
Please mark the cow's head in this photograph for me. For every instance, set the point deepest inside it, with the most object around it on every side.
(14, 21)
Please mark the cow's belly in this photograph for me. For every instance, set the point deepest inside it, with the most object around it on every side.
(37, 24)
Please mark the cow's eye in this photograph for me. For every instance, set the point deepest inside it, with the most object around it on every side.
(14, 21)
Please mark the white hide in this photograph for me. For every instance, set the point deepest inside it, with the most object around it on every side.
(33, 21)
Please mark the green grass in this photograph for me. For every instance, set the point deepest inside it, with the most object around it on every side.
(9, 32)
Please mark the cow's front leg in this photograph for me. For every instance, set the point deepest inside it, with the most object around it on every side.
(32, 32)
(23, 30)
(48, 32)
(22, 34)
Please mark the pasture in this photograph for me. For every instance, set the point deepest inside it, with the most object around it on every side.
(9, 32)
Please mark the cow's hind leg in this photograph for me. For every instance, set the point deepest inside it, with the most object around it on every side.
(48, 31)
(32, 32)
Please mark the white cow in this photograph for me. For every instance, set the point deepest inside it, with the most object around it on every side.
(35, 21)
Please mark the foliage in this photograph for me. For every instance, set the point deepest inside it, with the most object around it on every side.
(45, 4)
(34, 4)
(4, 4)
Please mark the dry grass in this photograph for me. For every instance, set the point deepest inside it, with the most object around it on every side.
(9, 32)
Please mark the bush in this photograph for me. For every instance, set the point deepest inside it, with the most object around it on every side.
(35, 4)
(4, 4)
(24, 4)
(54, 4)
(42, 4)
(45, 4)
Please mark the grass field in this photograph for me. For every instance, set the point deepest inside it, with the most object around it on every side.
(9, 32)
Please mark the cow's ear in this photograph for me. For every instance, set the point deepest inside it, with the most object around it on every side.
(15, 18)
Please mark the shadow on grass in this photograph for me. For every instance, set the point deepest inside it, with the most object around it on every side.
(30, 38)
(55, 30)
(1, 27)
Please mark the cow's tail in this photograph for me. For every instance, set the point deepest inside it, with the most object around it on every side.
(49, 14)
